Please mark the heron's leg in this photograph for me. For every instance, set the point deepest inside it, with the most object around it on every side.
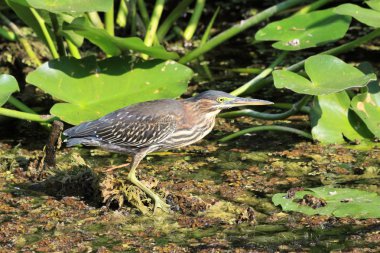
(158, 202)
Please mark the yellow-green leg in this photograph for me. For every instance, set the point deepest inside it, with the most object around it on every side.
(158, 202)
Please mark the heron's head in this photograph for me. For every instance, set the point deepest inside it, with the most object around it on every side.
(218, 100)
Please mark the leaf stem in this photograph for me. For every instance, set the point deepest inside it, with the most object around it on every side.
(266, 128)
(108, 21)
(74, 51)
(45, 32)
(26, 116)
(269, 116)
(193, 23)
(238, 28)
(266, 72)
(19, 105)
(172, 17)
(122, 13)
(58, 37)
(153, 23)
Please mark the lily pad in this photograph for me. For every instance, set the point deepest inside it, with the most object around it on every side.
(305, 30)
(366, 16)
(331, 121)
(328, 74)
(339, 202)
(91, 89)
(113, 45)
(69, 6)
(8, 85)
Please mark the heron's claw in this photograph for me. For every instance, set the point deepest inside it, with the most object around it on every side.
(159, 203)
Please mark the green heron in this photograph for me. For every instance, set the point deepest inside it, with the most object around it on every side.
(155, 125)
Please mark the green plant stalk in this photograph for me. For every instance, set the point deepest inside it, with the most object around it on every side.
(122, 13)
(207, 32)
(26, 116)
(266, 128)
(143, 12)
(194, 20)
(236, 29)
(95, 19)
(24, 42)
(313, 6)
(266, 72)
(19, 105)
(269, 116)
(108, 21)
(333, 51)
(246, 70)
(74, 51)
(58, 37)
(204, 39)
(49, 40)
(172, 17)
(153, 23)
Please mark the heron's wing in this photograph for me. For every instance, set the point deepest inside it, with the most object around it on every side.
(128, 129)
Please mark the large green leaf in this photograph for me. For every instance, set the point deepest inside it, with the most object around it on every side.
(69, 6)
(305, 30)
(328, 74)
(91, 89)
(340, 202)
(331, 121)
(366, 16)
(115, 45)
(8, 85)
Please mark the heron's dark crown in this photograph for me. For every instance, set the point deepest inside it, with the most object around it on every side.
(212, 95)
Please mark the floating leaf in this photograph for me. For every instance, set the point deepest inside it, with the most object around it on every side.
(330, 119)
(340, 202)
(305, 30)
(91, 89)
(115, 45)
(8, 85)
(366, 16)
(69, 6)
(328, 74)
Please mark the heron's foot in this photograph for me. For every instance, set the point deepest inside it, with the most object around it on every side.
(161, 204)
(158, 202)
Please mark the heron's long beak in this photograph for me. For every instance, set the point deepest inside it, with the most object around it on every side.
(247, 101)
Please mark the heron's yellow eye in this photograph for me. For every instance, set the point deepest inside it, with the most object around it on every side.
(221, 99)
